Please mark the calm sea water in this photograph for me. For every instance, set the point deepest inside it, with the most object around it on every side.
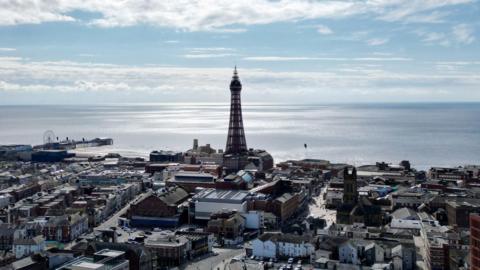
(425, 134)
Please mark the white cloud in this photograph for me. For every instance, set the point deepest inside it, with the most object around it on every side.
(209, 52)
(226, 30)
(415, 10)
(6, 59)
(208, 55)
(382, 53)
(377, 41)
(171, 41)
(158, 83)
(463, 33)
(7, 49)
(220, 15)
(460, 34)
(380, 59)
(458, 63)
(433, 17)
(211, 49)
(278, 58)
(300, 58)
(433, 36)
(324, 30)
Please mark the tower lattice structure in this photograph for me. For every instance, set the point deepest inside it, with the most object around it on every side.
(236, 143)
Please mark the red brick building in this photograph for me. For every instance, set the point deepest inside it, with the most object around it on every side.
(65, 228)
(474, 242)
(158, 210)
(283, 206)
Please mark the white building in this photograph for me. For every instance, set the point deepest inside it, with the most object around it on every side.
(333, 197)
(357, 251)
(348, 253)
(406, 218)
(265, 248)
(254, 220)
(403, 258)
(209, 201)
(272, 245)
(5, 200)
(29, 246)
(407, 198)
(105, 259)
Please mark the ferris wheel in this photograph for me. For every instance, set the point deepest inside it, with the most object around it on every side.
(49, 137)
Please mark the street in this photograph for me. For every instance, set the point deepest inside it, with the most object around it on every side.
(318, 209)
(113, 220)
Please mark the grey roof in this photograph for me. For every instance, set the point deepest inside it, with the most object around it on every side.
(29, 241)
(284, 237)
(405, 213)
(397, 250)
(285, 197)
(22, 263)
(222, 195)
(64, 220)
(165, 239)
(174, 196)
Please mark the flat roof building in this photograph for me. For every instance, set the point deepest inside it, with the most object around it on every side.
(209, 201)
(105, 259)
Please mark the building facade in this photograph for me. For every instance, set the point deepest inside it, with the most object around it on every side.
(28, 246)
(227, 226)
(167, 250)
(158, 210)
(209, 201)
(474, 242)
(278, 245)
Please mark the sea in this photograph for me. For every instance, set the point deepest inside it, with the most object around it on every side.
(426, 134)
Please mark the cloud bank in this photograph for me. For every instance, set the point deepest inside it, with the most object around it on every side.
(217, 15)
(160, 83)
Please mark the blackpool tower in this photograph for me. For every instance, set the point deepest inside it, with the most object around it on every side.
(236, 143)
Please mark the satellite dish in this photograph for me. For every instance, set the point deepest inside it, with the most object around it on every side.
(48, 137)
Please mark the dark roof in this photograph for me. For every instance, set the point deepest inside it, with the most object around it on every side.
(29, 241)
(284, 237)
(7, 229)
(174, 196)
(331, 243)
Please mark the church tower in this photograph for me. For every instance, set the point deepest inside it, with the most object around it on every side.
(350, 194)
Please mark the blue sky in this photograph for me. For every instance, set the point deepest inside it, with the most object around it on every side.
(72, 51)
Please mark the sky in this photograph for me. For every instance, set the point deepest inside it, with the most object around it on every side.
(296, 51)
